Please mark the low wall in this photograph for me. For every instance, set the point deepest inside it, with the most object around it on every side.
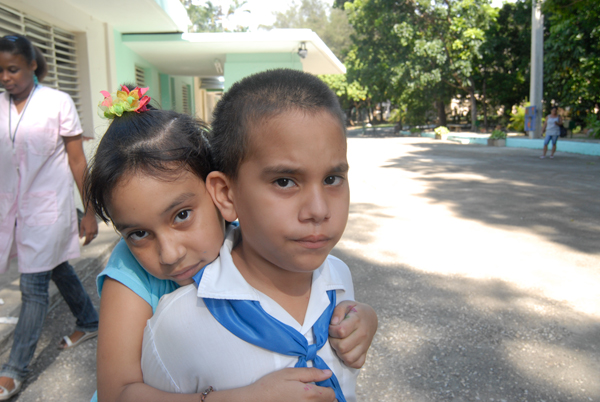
(564, 145)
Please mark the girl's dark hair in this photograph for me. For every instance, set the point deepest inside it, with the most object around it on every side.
(260, 97)
(156, 142)
(20, 45)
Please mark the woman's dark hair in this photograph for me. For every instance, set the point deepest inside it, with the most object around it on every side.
(260, 97)
(160, 143)
(20, 45)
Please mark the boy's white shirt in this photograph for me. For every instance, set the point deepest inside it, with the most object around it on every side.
(186, 350)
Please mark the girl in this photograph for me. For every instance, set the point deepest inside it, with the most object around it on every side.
(164, 153)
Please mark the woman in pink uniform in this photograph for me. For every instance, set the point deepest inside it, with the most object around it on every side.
(40, 154)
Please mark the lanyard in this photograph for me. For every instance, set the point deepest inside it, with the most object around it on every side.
(14, 135)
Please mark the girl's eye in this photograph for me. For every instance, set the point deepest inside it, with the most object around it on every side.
(182, 216)
(332, 180)
(137, 235)
(284, 183)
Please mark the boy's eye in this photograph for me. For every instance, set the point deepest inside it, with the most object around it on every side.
(182, 216)
(137, 235)
(332, 180)
(284, 183)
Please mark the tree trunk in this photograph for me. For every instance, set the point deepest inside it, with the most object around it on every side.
(473, 106)
(441, 108)
(484, 100)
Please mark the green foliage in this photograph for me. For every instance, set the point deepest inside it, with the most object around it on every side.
(593, 125)
(517, 120)
(396, 116)
(209, 18)
(572, 53)
(441, 131)
(506, 53)
(417, 52)
(331, 24)
(350, 94)
(498, 135)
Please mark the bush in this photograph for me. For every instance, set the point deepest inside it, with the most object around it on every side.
(441, 131)
(396, 116)
(593, 125)
(498, 135)
(517, 120)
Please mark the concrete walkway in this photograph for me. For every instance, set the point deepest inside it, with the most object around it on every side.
(484, 266)
(92, 256)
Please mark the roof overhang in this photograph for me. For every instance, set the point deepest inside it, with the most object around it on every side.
(137, 16)
(194, 54)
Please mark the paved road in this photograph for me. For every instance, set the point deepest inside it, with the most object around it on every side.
(483, 264)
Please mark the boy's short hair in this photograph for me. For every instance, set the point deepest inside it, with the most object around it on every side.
(257, 98)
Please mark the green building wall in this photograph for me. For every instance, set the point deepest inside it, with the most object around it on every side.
(165, 90)
(240, 65)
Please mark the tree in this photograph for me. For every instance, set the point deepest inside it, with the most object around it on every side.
(505, 57)
(209, 18)
(351, 95)
(419, 51)
(330, 24)
(572, 54)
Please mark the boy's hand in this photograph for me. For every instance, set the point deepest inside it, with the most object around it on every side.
(351, 332)
(291, 385)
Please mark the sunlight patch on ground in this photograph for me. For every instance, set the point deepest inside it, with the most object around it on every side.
(557, 366)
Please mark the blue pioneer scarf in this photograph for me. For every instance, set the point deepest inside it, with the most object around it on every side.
(247, 320)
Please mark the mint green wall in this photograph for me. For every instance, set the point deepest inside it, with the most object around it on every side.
(126, 60)
(238, 66)
(162, 86)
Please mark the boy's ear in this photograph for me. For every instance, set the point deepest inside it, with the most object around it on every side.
(219, 187)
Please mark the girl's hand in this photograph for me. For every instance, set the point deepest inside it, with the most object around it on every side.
(88, 228)
(351, 332)
(289, 385)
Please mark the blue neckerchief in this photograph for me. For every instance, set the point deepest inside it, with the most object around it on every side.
(247, 320)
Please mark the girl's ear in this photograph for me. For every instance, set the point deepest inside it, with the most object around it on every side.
(219, 187)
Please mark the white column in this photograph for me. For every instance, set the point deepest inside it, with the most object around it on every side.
(537, 65)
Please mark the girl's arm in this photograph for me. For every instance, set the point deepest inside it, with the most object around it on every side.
(123, 316)
(351, 331)
(78, 165)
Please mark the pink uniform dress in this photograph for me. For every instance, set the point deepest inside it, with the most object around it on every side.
(38, 221)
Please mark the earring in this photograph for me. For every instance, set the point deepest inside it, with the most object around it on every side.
(35, 79)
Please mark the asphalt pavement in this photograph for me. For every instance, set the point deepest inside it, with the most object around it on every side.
(483, 264)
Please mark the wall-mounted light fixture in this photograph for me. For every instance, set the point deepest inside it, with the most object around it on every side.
(218, 66)
(302, 51)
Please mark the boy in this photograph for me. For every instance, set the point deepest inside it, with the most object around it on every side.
(280, 149)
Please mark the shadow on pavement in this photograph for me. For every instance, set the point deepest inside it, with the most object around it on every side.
(512, 187)
(447, 338)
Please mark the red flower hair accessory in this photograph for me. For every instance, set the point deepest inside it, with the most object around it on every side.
(124, 101)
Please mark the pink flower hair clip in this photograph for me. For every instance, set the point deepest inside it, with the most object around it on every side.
(123, 101)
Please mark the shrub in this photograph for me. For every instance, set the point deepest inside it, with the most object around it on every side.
(593, 125)
(517, 120)
(498, 135)
(441, 131)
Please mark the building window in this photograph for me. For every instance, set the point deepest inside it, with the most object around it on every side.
(57, 45)
(140, 77)
(185, 94)
(173, 95)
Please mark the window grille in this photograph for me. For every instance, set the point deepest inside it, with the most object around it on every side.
(57, 45)
(185, 94)
(140, 77)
